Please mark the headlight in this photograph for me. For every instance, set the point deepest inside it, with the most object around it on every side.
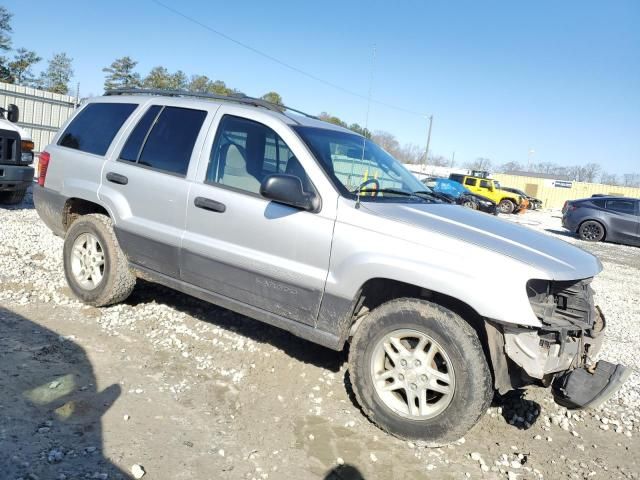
(27, 151)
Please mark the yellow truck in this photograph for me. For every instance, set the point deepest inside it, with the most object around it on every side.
(507, 202)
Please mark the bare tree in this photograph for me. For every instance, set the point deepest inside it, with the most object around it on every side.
(510, 167)
(609, 178)
(479, 163)
(631, 179)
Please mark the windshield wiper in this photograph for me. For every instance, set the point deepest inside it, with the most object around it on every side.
(435, 195)
(419, 194)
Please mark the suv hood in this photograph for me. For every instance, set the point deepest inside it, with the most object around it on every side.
(559, 259)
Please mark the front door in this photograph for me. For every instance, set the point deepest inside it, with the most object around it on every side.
(244, 247)
(623, 218)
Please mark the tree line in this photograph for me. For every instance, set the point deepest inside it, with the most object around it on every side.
(17, 65)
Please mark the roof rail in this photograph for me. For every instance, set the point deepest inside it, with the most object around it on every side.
(237, 98)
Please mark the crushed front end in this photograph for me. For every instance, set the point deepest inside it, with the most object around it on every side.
(562, 352)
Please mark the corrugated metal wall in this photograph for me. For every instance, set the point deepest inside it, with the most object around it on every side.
(41, 113)
(554, 196)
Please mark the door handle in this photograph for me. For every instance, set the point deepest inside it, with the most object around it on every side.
(117, 178)
(208, 204)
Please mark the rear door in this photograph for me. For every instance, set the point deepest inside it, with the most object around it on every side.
(243, 246)
(146, 183)
(623, 219)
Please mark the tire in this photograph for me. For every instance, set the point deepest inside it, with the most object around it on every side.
(591, 231)
(116, 278)
(12, 198)
(506, 206)
(469, 377)
(471, 205)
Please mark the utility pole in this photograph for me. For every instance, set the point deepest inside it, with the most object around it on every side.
(426, 152)
(453, 159)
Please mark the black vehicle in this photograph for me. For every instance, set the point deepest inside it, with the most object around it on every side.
(614, 219)
(16, 154)
(534, 203)
(457, 193)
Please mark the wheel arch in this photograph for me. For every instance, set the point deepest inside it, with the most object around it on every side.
(75, 207)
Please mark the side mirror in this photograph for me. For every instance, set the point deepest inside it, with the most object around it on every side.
(13, 113)
(287, 189)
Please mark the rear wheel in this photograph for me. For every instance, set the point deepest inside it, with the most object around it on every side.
(591, 231)
(419, 372)
(12, 198)
(95, 267)
(506, 206)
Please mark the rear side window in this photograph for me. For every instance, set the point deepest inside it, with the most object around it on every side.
(484, 183)
(94, 128)
(470, 181)
(169, 144)
(622, 206)
(133, 147)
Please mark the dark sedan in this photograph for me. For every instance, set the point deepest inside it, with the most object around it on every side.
(614, 219)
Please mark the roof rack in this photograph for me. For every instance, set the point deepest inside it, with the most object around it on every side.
(237, 98)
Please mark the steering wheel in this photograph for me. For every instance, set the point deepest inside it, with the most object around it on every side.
(373, 181)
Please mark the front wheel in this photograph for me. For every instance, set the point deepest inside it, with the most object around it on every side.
(506, 206)
(96, 269)
(419, 372)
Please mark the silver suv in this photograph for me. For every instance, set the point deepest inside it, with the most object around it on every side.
(314, 229)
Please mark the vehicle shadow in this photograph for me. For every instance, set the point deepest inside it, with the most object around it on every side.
(564, 233)
(51, 409)
(26, 204)
(344, 472)
(298, 348)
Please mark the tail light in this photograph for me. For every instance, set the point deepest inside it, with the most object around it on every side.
(43, 164)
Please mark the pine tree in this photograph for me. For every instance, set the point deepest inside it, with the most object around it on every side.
(58, 74)
(121, 74)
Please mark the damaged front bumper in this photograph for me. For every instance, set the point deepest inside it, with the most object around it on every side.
(562, 352)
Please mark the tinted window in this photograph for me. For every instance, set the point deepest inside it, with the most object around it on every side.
(484, 183)
(599, 203)
(170, 143)
(132, 148)
(245, 152)
(470, 181)
(94, 128)
(622, 206)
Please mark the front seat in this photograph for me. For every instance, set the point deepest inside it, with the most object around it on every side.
(235, 172)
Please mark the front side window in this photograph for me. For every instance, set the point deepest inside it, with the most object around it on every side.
(485, 184)
(246, 152)
(358, 166)
(622, 206)
(95, 127)
(164, 139)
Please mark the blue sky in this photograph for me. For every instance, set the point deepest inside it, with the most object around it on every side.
(562, 78)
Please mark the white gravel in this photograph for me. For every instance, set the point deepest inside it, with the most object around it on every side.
(31, 273)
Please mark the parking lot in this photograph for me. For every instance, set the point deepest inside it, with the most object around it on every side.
(188, 390)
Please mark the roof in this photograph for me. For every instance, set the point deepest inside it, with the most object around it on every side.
(549, 176)
(287, 114)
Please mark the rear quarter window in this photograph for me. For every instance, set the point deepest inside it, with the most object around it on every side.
(95, 127)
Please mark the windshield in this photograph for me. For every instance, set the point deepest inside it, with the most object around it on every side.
(497, 184)
(341, 155)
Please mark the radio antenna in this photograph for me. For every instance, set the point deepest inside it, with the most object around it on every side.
(366, 119)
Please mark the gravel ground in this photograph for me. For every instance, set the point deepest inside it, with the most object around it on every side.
(169, 387)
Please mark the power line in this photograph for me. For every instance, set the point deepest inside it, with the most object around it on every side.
(281, 62)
